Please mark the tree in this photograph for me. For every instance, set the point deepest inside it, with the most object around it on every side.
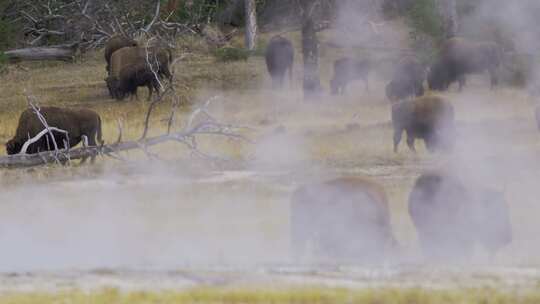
(310, 49)
(251, 24)
(448, 9)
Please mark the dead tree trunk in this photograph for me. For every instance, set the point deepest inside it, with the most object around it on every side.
(63, 53)
(310, 52)
(251, 24)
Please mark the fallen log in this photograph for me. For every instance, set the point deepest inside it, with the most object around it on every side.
(60, 53)
(65, 155)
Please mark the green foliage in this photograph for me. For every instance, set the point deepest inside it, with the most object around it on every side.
(7, 35)
(427, 30)
(228, 54)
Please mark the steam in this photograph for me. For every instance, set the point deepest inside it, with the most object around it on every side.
(167, 218)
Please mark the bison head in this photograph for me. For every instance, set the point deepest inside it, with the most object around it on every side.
(112, 85)
(13, 147)
(438, 77)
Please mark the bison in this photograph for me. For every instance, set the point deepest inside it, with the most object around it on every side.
(430, 118)
(115, 43)
(538, 116)
(451, 215)
(279, 59)
(347, 70)
(134, 76)
(159, 60)
(459, 57)
(407, 81)
(77, 122)
(345, 218)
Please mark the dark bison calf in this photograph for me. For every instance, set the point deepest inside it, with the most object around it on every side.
(430, 118)
(279, 59)
(407, 81)
(137, 75)
(115, 43)
(77, 122)
(347, 70)
(451, 216)
(459, 57)
(343, 219)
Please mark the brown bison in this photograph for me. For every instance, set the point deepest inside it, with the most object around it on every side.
(459, 57)
(430, 118)
(115, 43)
(77, 122)
(344, 219)
(538, 116)
(137, 56)
(134, 76)
(451, 216)
(279, 59)
(407, 81)
(347, 70)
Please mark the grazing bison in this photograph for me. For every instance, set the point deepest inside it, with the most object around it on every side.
(459, 57)
(343, 219)
(451, 216)
(135, 56)
(538, 116)
(347, 70)
(77, 122)
(134, 76)
(430, 118)
(279, 59)
(407, 81)
(115, 43)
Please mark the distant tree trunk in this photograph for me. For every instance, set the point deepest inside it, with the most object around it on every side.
(448, 10)
(251, 24)
(310, 51)
(171, 7)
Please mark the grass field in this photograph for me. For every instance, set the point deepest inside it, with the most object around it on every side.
(306, 295)
(237, 209)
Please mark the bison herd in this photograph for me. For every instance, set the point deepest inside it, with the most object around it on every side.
(344, 218)
(348, 219)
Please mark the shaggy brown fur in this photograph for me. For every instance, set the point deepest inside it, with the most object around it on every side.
(459, 57)
(77, 122)
(115, 43)
(127, 56)
(134, 76)
(452, 215)
(430, 118)
(407, 81)
(345, 218)
(347, 70)
(279, 59)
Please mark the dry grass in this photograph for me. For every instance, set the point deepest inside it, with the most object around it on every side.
(299, 296)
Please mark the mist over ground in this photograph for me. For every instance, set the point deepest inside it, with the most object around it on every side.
(190, 213)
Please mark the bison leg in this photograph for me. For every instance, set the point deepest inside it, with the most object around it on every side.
(397, 139)
(494, 80)
(291, 84)
(462, 81)
(410, 142)
(366, 81)
(150, 87)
